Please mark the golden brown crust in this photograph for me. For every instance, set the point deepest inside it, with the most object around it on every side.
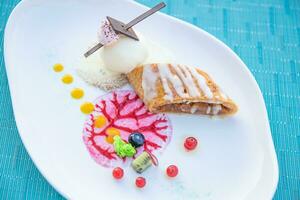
(135, 79)
(195, 105)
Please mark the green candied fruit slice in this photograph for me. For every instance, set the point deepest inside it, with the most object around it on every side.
(122, 148)
(129, 150)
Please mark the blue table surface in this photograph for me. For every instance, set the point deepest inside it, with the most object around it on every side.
(264, 33)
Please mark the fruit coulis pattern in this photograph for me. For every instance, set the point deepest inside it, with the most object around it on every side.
(127, 113)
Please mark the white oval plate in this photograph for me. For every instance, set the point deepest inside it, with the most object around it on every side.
(235, 159)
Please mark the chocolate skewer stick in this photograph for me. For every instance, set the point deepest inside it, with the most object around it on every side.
(145, 15)
(93, 49)
(119, 27)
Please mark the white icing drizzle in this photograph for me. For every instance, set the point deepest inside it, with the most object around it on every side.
(149, 79)
(208, 110)
(216, 109)
(184, 77)
(166, 75)
(168, 92)
(201, 82)
(187, 80)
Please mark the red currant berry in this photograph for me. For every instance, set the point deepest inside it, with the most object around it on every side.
(172, 171)
(190, 143)
(140, 182)
(118, 173)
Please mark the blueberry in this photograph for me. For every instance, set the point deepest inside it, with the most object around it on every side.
(136, 139)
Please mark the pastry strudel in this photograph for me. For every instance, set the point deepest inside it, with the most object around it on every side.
(179, 89)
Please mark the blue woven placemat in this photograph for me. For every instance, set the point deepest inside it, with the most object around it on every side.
(264, 33)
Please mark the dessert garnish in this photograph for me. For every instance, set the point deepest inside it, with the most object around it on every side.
(118, 173)
(87, 107)
(140, 182)
(142, 162)
(172, 171)
(122, 148)
(77, 93)
(190, 143)
(111, 132)
(100, 121)
(136, 139)
(58, 67)
(117, 115)
(67, 79)
(107, 33)
(117, 27)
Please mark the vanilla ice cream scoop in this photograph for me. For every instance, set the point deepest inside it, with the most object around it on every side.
(120, 53)
(123, 55)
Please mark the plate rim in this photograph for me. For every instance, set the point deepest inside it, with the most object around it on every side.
(9, 25)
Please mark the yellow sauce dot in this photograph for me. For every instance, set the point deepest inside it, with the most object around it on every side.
(111, 132)
(100, 121)
(67, 79)
(58, 67)
(77, 93)
(110, 139)
(87, 107)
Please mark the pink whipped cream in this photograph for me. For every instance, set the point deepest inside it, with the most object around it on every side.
(106, 33)
(124, 111)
